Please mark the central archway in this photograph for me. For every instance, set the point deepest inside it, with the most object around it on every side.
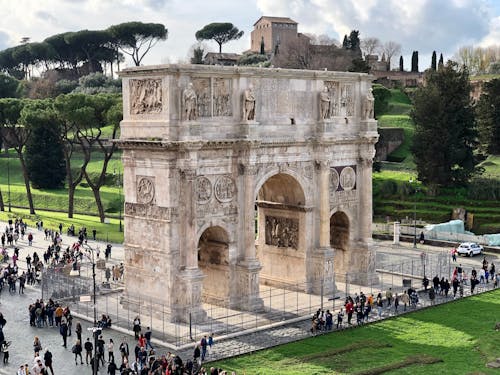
(213, 261)
(280, 243)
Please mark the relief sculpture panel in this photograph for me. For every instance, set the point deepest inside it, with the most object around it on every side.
(204, 102)
(225, 189)
(332, 90)
(282, 232)
(145, 96)
(222, 97)
(145, 189)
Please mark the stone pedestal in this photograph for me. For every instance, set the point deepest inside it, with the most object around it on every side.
(320, 277)
(187, 300)
(246, 128)
(246, 294)
(363, 261)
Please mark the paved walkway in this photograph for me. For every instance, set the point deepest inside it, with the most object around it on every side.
(18, 330)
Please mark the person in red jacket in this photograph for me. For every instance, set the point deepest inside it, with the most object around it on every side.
(349, 309)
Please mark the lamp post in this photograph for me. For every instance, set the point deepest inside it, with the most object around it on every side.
(8, 179)
(119, 183)
(95, 329)
(120, 192)
(414, 214)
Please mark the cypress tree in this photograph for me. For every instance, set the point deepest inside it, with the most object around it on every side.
(433, 61)
(414, 62)
(401, 64)
(262, 49)
(441, 62)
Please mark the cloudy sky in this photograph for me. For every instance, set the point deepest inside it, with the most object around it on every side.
(423, 25)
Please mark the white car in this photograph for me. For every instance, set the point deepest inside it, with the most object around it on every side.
(469, 249)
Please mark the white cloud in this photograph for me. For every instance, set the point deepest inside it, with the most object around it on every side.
(423, 25)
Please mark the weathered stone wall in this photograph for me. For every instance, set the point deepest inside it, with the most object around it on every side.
(203, 146)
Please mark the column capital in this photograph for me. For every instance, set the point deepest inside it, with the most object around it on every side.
(247, 169)
(188, 174)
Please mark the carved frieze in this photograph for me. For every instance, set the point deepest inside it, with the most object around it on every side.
(334, 179)
(149, 211)
(343, 178)
(204, 102)
(145, 96)
(225, 189)
(282, 232)
(348, 178)
(222, 97)
(333, 94)
(145, 189)
(203, 190)
(347, 100)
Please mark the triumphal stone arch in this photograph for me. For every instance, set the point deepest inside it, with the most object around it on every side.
(237, 177)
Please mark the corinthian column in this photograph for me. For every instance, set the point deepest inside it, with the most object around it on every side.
(324, 204)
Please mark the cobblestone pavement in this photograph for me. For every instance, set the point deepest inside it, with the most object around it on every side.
(14, 307)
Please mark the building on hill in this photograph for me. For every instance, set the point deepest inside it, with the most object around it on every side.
(375, 64)
(226, 59)
(274, 32)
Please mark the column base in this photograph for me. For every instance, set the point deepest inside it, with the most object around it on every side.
(246, 293)
(320, 271)
(187, 296)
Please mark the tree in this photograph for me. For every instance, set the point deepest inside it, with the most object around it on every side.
(10, 118)
(369, 46)
(433, 61)
(136, 38)
(381, 95)
(94, 44)
(108, 111)
(441, 62)
(44, 151)
(414, 62)
(390, 49)
(359, 65)
(221, 33)
(262, 46)
(488, 117)
(252, 58)
(445, 134)
(8, 86)
(401, 64)
(197, 56)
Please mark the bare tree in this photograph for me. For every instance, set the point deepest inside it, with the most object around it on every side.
(370, 45)
(390, 49)
(322, 40)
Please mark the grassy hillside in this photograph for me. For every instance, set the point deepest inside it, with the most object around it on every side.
(459, 341)
(398, 115)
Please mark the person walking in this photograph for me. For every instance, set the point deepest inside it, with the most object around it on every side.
(203, 344)
(47, 358)
(148, 335)
(137, 327)
(432, 295)
(124, 351)
(340, 317)
(88, 350)
(63, 330)
(396, 303)
(388, 296)
(111, 353)
(405, 300)
(78, 330)
(77, 351)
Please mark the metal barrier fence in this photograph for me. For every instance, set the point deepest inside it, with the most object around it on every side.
(279, 304)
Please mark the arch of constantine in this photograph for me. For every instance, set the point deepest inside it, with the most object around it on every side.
(236, 177)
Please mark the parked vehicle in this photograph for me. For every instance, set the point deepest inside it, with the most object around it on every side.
(469, 249)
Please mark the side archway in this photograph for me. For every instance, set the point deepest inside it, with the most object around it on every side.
(213, 261)
(340, 240)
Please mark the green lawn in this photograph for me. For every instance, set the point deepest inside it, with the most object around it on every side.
(57, 199)
(459, 335)
(105, 232)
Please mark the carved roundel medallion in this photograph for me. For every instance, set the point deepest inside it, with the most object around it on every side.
(334, 179)
(225, 189)
(203, 190)
(348, 178)
(145, 190)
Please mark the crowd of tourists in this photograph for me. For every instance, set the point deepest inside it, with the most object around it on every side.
(143, 359)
